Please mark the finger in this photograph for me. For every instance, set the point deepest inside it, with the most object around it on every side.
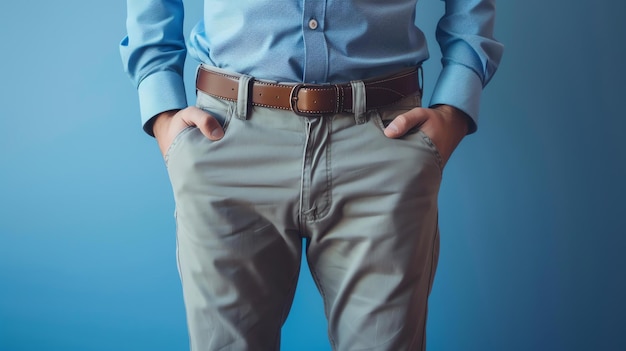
(404, 122)
(207, 124)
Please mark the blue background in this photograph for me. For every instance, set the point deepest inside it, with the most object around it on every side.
(532, 207)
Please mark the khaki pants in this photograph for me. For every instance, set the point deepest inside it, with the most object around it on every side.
(365, 204)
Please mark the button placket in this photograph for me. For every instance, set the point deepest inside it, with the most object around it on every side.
(315, 47)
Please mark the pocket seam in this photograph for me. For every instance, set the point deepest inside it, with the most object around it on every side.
(432, 147)
(379, 120)
(176, 141)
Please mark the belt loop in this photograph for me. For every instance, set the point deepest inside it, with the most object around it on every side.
(243, 96)
(359, 103)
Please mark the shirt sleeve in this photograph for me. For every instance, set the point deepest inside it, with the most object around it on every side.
(470, 55)
(153, 54)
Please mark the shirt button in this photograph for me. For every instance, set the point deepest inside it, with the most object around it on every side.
(313, 24)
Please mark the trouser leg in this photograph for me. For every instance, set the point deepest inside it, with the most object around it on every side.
(239, 249)
(373, 253)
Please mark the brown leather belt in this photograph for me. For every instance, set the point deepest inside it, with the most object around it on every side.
(311, 99)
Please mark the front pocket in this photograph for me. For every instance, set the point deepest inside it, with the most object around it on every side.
(385, 115)
(415, 135)
(176, 141)
(221, 110)
(432, 147)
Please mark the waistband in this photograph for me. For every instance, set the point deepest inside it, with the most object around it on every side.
(311, 99)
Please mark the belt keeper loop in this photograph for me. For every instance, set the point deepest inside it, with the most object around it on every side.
(359, 101)
(243, 96)
(339, 99)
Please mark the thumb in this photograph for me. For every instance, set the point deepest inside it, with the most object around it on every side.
(208, 125)
(404, 122)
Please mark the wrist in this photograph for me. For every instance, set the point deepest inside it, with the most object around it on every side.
(161, 120)
(461, 119)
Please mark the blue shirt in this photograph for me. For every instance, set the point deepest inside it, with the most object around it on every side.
(313, 41)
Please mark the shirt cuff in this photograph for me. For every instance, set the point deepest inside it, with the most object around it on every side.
(460, 87)
(160, 92)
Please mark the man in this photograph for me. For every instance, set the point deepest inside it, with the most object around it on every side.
(308, 126)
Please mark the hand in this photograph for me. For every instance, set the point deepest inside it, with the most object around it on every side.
(168, 124)
(443, 124)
